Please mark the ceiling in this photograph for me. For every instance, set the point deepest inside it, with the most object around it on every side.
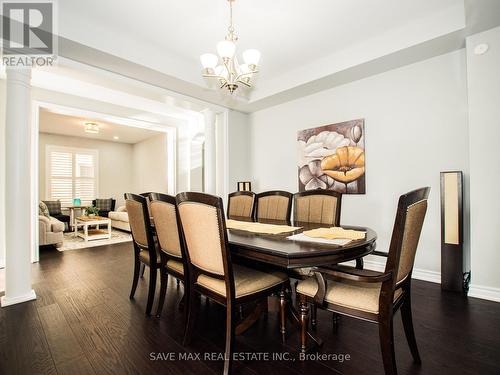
(55, 123)
(301, 41)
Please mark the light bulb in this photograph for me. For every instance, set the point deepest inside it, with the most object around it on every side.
(226, 49)
(209, 60)
(251, 57)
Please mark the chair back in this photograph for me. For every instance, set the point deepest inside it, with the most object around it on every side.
(164, 211)
(274, 205)
(202, 221)
(241, 204)
(317, 206)
(410, 215)
(148, 201)
(140, 224)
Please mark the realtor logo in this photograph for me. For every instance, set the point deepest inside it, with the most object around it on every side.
(28, 33)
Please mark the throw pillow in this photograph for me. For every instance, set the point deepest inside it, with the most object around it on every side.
(43, 210)
(54, 207)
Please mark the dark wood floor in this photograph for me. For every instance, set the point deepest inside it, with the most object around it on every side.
(84, 323)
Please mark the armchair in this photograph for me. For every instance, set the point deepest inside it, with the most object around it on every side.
(50, 231)
(369, 295)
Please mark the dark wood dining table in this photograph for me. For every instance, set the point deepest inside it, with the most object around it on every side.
(277, 251)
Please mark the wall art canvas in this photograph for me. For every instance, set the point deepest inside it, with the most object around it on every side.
(332, 157)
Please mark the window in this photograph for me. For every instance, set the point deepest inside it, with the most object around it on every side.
(71, 173)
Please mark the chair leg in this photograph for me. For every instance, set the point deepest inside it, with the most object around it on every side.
(406, 316)
(192, 312)
(314, 311)
(163, 292)
(230, 326)
(386, 334)
(152, 287)
(282, 314)
(360, 263)
(304, 321)
(137, 266)
(143, 267)
(335, 321)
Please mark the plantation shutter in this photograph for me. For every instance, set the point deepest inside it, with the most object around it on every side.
(72, 173)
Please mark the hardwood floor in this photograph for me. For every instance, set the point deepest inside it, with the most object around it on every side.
(83, 323)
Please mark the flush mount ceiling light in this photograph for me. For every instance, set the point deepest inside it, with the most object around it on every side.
(91, 127)
(229, 72)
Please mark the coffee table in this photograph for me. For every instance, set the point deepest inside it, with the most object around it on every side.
(89, 234)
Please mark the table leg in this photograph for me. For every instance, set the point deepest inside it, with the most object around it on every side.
(109, 234)
(251, 319)
(297, 319)
(86, 232)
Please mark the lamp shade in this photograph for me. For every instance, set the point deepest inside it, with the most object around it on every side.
(209, 60)
(251, 57)
(226, 48)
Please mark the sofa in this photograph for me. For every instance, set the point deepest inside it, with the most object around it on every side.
(105, 206)
(50, 231)
(119, 219)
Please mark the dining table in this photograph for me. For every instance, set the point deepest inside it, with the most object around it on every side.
(277, 251)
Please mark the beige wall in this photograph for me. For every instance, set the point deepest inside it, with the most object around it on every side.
(115, 164)
(150, 166)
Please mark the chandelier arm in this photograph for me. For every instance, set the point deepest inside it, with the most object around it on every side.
(244, 83)
(245, 74)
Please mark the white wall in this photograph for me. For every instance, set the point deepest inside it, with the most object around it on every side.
(484, 119)
(2, 173)
(238, 149)
(150, 168)
(115, 164)
(415, 124)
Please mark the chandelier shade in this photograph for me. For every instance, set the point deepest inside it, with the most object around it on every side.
(225, 67)
(209, 60)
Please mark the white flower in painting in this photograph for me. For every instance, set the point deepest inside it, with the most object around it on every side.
(312, 176)
(319, 146)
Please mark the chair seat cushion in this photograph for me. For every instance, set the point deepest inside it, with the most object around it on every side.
(144, 257)
(353, 295)
(246, 281)
(176, 266)
(118, 216)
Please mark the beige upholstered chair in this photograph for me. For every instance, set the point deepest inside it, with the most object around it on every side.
(145, 249)
(171, 243)
(370, 295)
(50, 231)
(317, 206)
(241, 204)
(210, 268)
(273, 205)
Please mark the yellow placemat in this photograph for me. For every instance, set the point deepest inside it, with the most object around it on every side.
(259, 227)
(335, 233)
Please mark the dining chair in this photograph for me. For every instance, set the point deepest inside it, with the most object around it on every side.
(241, 204)
(273, 205)
(211, 271)
(145, 250)
(318, 207)
(170, 241)
(374, 296)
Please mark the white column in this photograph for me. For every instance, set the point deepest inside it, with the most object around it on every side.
(18, 188)
(210, 149)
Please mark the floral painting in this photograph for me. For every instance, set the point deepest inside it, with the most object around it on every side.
(332, 157)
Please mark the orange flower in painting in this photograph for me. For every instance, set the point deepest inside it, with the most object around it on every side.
(346, 165)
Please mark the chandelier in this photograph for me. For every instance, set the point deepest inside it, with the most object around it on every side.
(229, 72)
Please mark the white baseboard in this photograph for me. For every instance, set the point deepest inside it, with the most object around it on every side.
(484, 292)
(5, 301)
